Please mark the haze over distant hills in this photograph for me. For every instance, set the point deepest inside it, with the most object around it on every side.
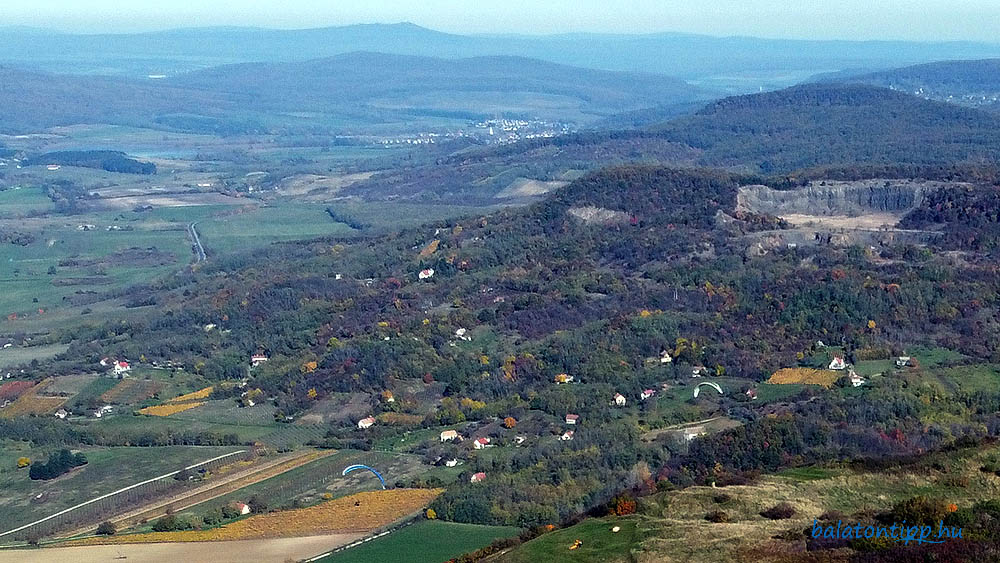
(361, 87)
(732, 63)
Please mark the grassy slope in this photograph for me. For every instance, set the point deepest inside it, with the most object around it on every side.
(427, 541)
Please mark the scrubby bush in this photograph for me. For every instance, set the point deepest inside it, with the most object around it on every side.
(780, 511)
(106, 528)
(717, 516)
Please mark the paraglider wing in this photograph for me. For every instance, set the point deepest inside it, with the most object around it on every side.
(350, 468)
(711, 384)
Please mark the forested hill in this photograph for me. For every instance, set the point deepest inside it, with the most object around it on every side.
(809, 126)
(835, 124)
(971, 83)
(366, 77)
(593, 281)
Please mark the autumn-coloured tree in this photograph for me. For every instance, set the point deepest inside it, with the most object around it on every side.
(510, 422)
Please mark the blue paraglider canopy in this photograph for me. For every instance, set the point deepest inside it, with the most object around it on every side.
(350, 468)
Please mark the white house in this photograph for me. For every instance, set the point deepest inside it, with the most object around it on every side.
(257, 359)
(449, 435)
(426, 274)
(902, 361)
(693, 432)
(61, 414)
(647, 394)
(572, 418)
(518, 440)
(481, 443)
(856, 380)
(106, 409)
(665, 357)
(462, 334)
(566, 436)
(698, 371)
(121, 368)
(838, 363)
(366, 422)
(451, 463)
(242, 508)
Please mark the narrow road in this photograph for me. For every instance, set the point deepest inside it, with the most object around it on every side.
(199, 249)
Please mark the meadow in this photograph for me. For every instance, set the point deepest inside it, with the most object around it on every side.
(426, 541)
(108, 469)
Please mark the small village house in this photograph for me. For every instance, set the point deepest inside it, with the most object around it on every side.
(566, 436)
(855, 379)
(752, 394)
(61, 414)
(121, 368)
(451, 462)
(646, 394)
(572, 418)
(242, 508)
(838, 363)
(477, 477)
(366, 422)
(257, 359)
(449, 435)
(698, 371)
(665, 357)
(619, 400)
(902, 361)
(481, 443)
(426, 274)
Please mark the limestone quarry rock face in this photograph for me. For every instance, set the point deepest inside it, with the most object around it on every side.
(830, 198)
(598, 215)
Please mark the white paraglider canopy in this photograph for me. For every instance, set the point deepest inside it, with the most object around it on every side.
(715, 386)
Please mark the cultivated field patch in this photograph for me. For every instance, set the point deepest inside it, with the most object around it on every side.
(808, 376)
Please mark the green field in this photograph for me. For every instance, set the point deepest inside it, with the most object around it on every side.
(18, 201)
(427, 541)
(18, 355)
(600, 544)
(108, 469)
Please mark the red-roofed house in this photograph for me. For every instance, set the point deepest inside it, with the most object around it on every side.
(122, 368)
(838, 363)
(477, 477)
(572, 418)
(242, 508)
(647, 394)
(619, 400)
(481, 443)
(567, 436)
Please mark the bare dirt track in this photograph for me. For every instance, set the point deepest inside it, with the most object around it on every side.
(276, 550)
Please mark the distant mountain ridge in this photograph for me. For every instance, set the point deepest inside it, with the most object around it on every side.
(768, 63)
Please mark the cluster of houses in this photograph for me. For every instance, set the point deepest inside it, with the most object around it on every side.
(838, 363)
(119, 368)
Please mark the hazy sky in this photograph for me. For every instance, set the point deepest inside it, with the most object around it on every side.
(830, 19)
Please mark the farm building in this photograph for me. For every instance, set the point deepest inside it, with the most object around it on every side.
(646, 394)
(257, 359)
(242, 508)
(426, 274)
(855, 379)
(61, 414)
(121, 368)
(902, 361)
(572, 418)
(665, 357)
(462, 334)
(566, 436)
(619, 400)
(451, 463)
(838, 363)
(481, 443)
(693, 432)
(106, 409)
(366, 422)
(698, 371)
(477, 477)
(449, 435)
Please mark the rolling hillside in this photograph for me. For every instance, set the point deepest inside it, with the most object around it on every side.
(970, 83)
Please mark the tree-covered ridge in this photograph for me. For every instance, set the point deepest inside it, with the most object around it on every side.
(835, 124)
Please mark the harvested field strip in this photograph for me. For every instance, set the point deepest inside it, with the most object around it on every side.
(131, 391)
(196, 396)
(220, 485)
(29, 402)
(808, 376)
(13, 389)
(169, 409)
(361, 512)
